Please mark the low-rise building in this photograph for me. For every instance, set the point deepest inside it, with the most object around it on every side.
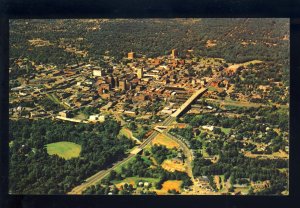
(208, 127)
(130, 113)
(65, 114)
(98, 73)
(97, 118)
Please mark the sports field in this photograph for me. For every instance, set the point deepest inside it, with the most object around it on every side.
(66, 150)
(225, 130)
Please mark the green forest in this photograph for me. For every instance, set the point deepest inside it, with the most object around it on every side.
(33, 171)
(235, 165)
(151, 37)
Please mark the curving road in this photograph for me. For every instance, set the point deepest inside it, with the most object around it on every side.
(101, 174)
(188, 153)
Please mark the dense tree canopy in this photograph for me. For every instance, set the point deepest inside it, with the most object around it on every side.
(152, 38)
(33, 171)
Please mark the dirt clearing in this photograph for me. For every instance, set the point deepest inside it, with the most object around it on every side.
(164, 140)
(172, 165)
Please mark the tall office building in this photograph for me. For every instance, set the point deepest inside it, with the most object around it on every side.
(122, 85)
(140, 73)
(111, 81)
(131, 55)
(174, 53)
(116, 82)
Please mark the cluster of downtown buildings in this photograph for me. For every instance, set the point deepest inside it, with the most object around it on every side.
(128, 86)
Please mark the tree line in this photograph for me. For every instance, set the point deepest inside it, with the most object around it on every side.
(33, 171)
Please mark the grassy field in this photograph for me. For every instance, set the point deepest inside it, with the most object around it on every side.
(118, 168)
(204, 153)
(55, 99)
(243, 190)
(10, 144)
(153, 161)
(124, 132)
(225, 130)
(147, 160)
(81, 116)
(229, 102)
(283, 170)
(232, 103)
(211, 88)
(147, 147)
(66, 150)
(164, 140)
(280, 154)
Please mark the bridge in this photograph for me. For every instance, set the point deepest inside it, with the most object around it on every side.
(94, 179)
(187, 103)
(160, 128)
(194, 97)
(157, 130)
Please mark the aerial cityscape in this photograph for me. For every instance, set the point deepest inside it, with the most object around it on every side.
(149, 106)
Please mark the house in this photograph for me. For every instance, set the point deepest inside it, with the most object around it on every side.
(203, 179)
(98, 73)
(130, 113)
(140, 97)
(208, 127)
(78, 104)
(261, 185)
(107, 107)
(97, 118)
(167, 110)
(57, 72)
(140, 88)
(287, 148)
(105, 96)
(264, 88)
(104, 88)
(65, 114)
(156, 62)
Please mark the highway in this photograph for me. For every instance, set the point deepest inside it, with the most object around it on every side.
(97, 177)
(93, 180)
(101, 174)
(189, 102)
